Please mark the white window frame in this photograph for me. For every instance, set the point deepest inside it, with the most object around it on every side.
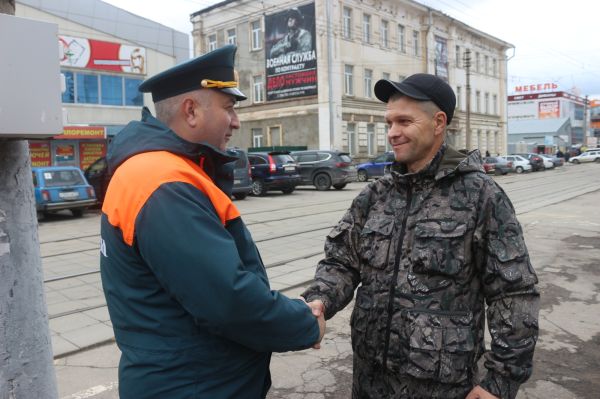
(371, 139)
(347, 23)
(348, 80)
(255, 33)
(367, 28)
(486, 103)
(385, 36)
(257, 139)
(386, 75)
(477, 61)
(478, 101)
(416, 43)
(495, 104)
(368, 82)
(457, 55)
(351, 133)
(402, 38)
(212, 42)
(232, 39)
(258, 84)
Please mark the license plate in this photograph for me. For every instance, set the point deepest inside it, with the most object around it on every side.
(68, 195)
(289, 168)
(237, 181)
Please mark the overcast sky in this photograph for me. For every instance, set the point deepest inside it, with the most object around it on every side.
(556, 41)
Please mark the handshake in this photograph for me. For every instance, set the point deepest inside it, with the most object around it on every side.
(318, 310)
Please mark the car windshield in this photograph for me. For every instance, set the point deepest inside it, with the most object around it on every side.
(56, 178)
(282, 158)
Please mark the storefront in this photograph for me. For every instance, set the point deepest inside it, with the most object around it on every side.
(78, 146)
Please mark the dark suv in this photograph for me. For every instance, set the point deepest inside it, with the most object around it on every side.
(242, 175)
(537, 163)
(275, 170)
(324, 169)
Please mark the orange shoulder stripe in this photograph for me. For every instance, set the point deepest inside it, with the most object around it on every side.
(138, 177)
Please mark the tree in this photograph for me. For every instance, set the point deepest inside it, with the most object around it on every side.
(26, 369)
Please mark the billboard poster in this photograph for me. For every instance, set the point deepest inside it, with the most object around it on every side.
(40, 153)
(291, 54)
(97, 54)
(441, 58)
(548, 109)
(89, 152)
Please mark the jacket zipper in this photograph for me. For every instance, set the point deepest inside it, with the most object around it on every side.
(395, 276)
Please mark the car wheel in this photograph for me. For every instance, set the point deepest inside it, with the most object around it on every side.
(322, 182)
(288, 190)
(258, 187)
(78, 212)
(597, 160)
(576, 161)
(519, 169)
(240, 196)
(339, 186)
(362, 175)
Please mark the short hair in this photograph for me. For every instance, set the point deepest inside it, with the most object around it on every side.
(429, 107)
(166, 110)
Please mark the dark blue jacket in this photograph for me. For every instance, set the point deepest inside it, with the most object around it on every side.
(186, 289)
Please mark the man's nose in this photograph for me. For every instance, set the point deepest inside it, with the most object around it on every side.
(235, 122)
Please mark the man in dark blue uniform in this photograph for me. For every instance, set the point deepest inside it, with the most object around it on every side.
(186, 289)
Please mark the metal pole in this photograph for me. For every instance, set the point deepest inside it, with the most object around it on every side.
(328, 13)
(26, 369)
(468, 122)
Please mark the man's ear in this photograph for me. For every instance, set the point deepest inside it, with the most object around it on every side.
(188, 108)
(439, 122)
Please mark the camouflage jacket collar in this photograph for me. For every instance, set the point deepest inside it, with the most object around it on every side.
(447, 161)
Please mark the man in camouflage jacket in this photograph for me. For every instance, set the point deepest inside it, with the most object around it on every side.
(428, 245)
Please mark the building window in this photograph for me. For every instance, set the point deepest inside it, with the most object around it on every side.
(416, 42)
(256, 35)
(401, 78)
(478, 101)
(231, 36)
(486, 65)
(111, 89)
(351, 131)
(371, 144)
(85, 88)
(347, 23)
(257, 137)
(275, 136)
(458, 63)
(386, 129)
(258, 89)
(212, 42)
(401, 39)
(476, 62)
(486, 103)
(366, 28)
(384, 34)
(385, 76)
(349, 80)
(495, 104)
(459, 97)
(494, 67)
(367, 82)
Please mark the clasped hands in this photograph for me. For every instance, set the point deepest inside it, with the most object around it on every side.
(318, 310)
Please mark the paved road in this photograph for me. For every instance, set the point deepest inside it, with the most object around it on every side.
(556, 209)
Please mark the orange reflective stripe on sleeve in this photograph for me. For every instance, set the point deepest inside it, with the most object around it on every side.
(138, 177)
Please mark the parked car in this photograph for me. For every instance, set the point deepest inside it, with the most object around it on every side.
(98, 177)
(376, 167)
(556, 161)
(537, 163)
(548, 164)
(501, 165)
(242, 174)
(62, 187)
(275, 170)
(324, 169)
(519, 164)
(587, 156)
(489, 167)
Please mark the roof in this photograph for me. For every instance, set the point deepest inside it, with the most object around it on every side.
(114, 21)
(537, 126)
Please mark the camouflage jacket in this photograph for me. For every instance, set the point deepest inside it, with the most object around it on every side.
(428, 249)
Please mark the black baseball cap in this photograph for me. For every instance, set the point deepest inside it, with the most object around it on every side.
(422, 87)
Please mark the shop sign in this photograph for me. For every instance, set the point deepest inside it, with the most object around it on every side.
(64, 153)
(89, 153)
(536, 87)
(82, 133)
(77, 52)
(40, 154)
